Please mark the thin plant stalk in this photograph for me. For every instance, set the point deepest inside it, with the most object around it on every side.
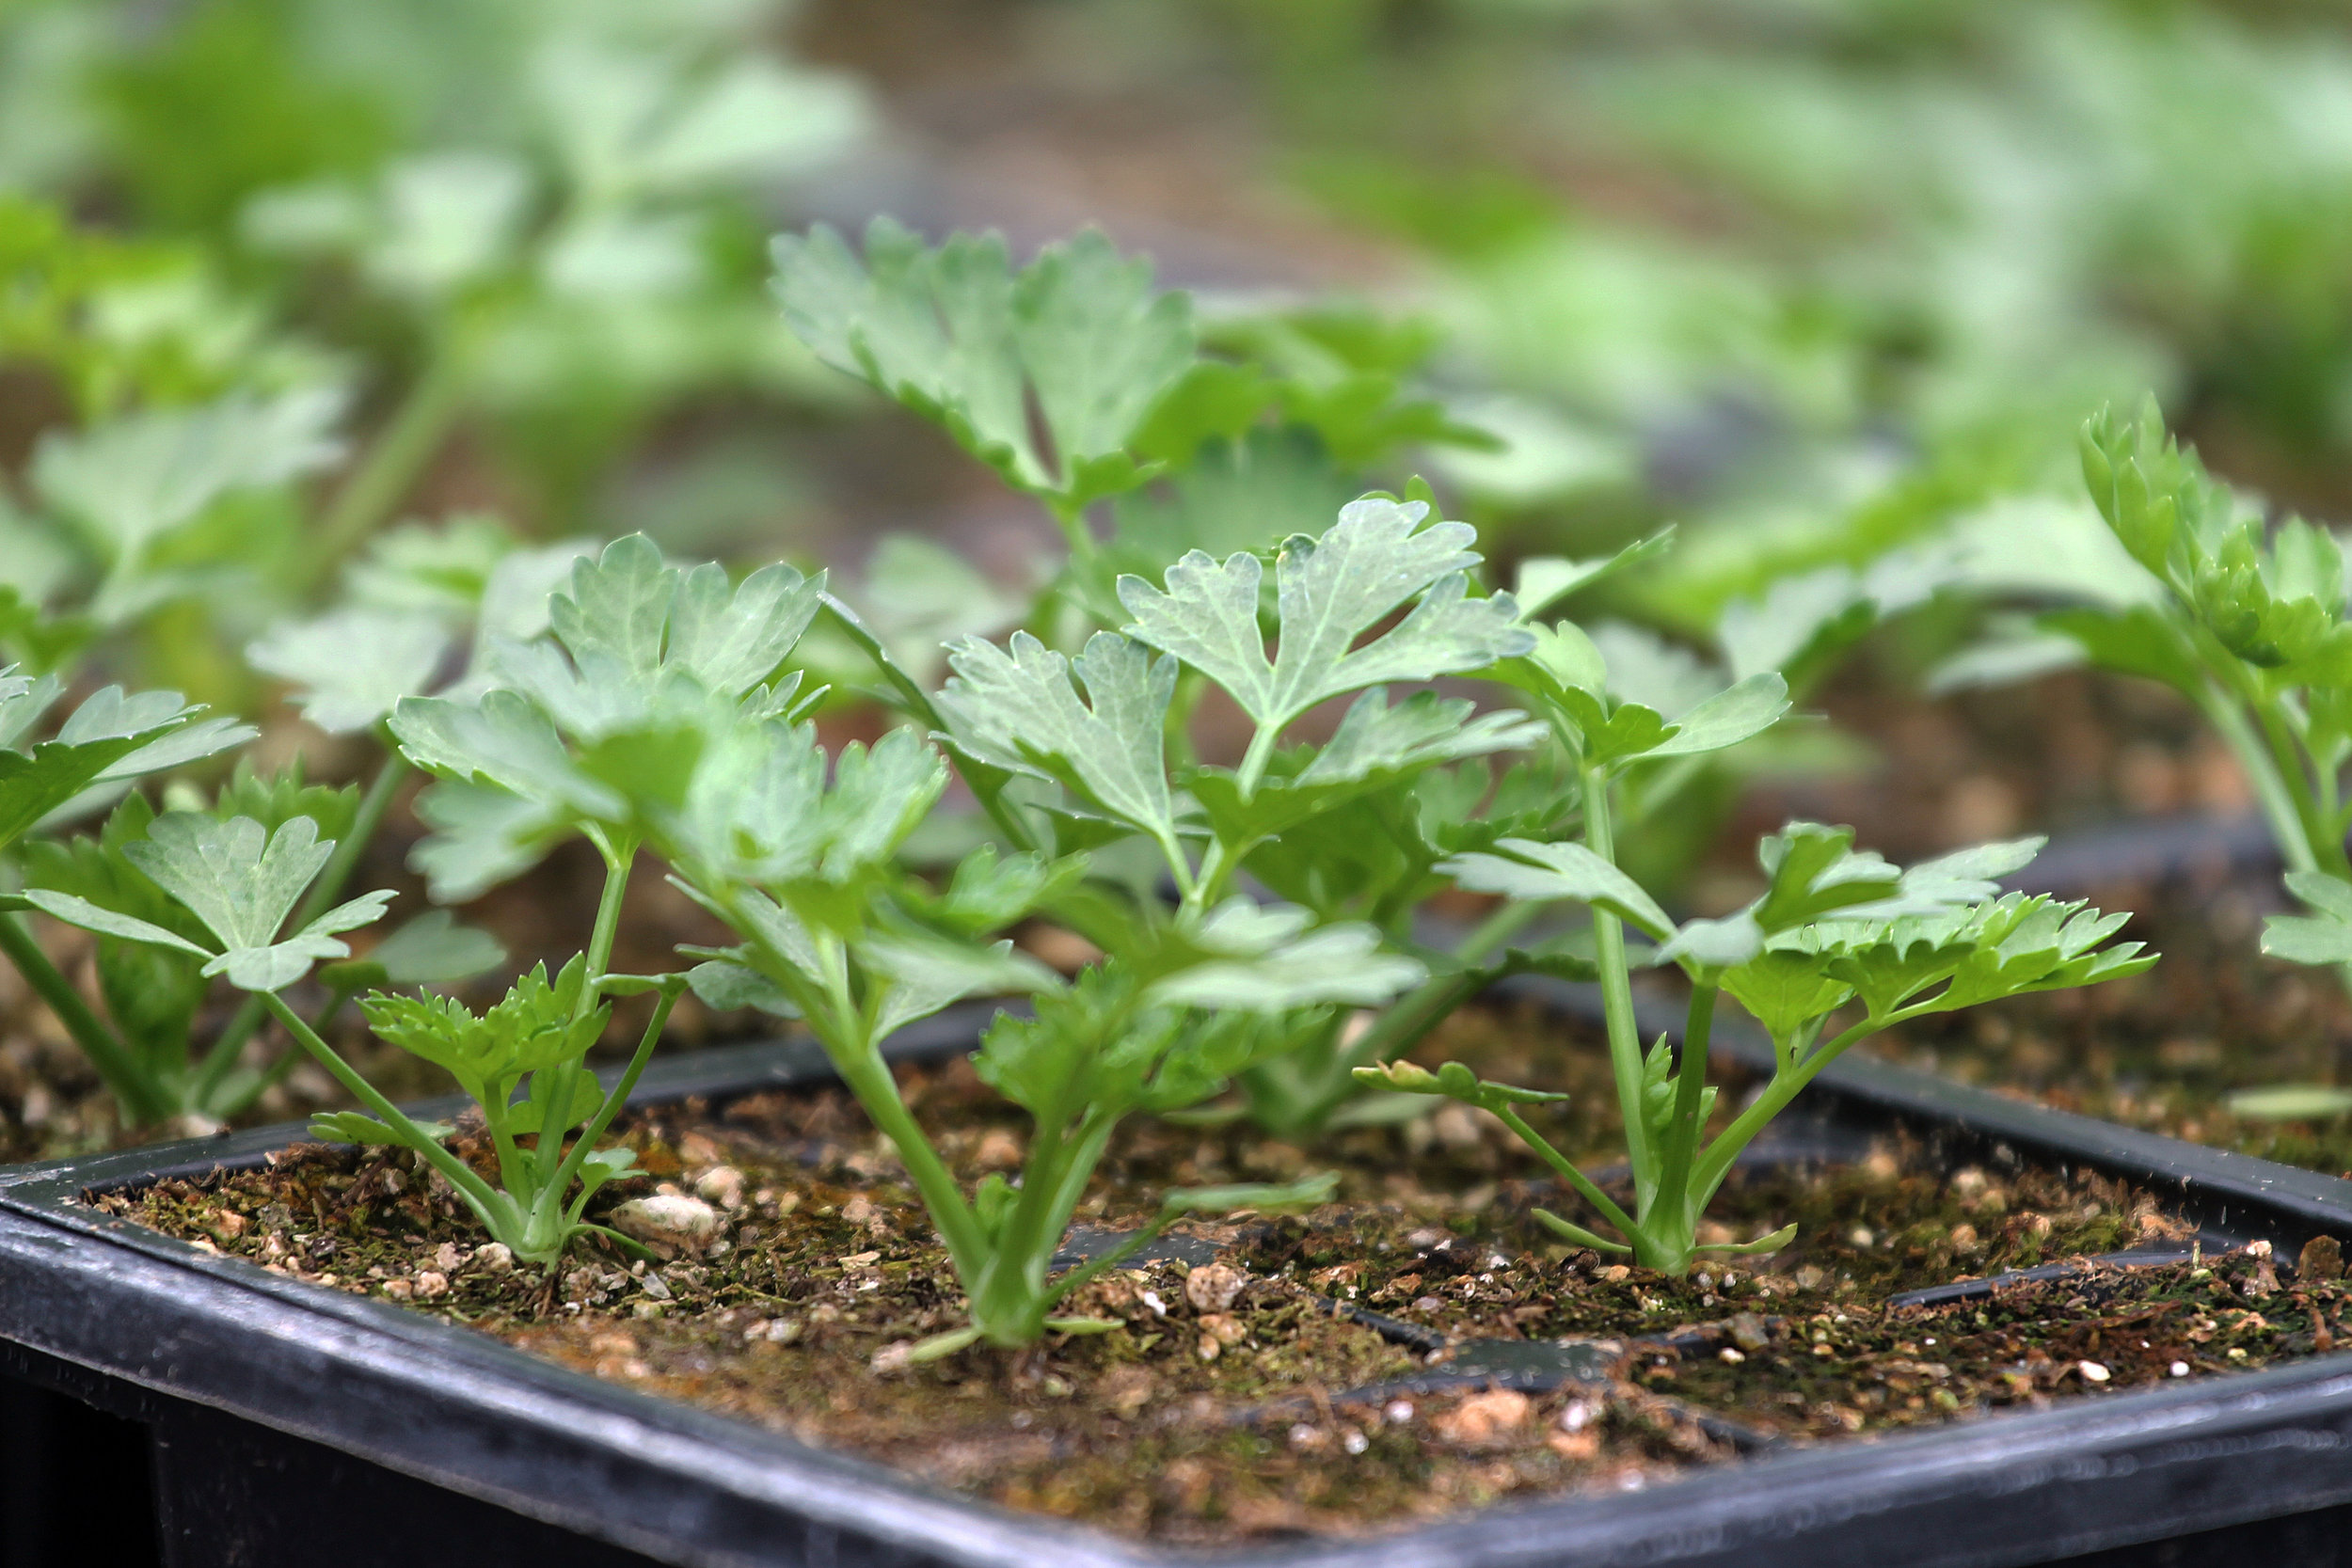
(133, 1085)
(402, 450)
(219, 1060)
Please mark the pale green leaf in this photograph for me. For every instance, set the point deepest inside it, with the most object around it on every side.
(1339, 965)
(955, 334)
(350, 666)
(1728, 718)
(90, 917)
(433, 949)
(927, 973)
(2291, 1103)
(1021, 707)
(239, 880)
(1329, 592)
(141, 475)
(1544, 580)
(1526, 870)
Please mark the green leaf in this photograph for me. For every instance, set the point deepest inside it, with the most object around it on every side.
(529, 1029)
(1814, 871)
(2137, 641)
(1748, 708)
(112, 738)
(760, 809)
(351, 667)
(355, 1127)
(1525, 869)
(1377, 747)
(1020, 708)
(1342, 964)
(132, 478)
(2323, 937)
(627, 612)
(80, 911)
(1264, 1196)
(990, 892)
(1543, 582)
(505, 739)
(632, 122)
(956, 335)
(431, 949)
(238, 878)
(481, 836)
(2291, 1103)
(725, 985)
(241, 881)
(1784, 990)
(1329, 592)
(927, 973)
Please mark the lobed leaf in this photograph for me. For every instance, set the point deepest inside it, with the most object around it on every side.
(1329, 592)
(1527, 870)
(956, 335)
(1020, 708)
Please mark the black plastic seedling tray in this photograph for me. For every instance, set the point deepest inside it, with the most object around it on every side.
(163, 1404)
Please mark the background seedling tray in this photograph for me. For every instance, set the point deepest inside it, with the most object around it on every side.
(285, 1424)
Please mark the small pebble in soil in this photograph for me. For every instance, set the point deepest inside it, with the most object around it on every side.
(722, 1185)
(2180, 1368)
(1214, 1287)
(493, 1258)
(668, 1219)
(2094, 1371)
(1484, 1420)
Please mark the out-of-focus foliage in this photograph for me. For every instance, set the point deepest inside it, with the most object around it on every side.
(1819, 276)
(544, 217)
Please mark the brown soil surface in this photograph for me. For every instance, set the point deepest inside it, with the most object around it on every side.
(1229, 1384)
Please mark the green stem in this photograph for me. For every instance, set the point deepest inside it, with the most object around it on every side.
(2303, 842)
(1616, 990)
(869, 1077)
(133, 1087)
(323, 893)
(1683, 1135)
(1254, 761)
(618, 857)
(1584, 1185)
(287, 1061)
(1784, 1086)
(586, 1143)
(385, 476)
(488, 1204)
(846, 1034)
(2271, 789)
(1072, 520)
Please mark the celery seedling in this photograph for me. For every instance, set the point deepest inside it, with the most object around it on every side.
(1833, 928)
(108, 741)
(240, 882)
(2249, 621)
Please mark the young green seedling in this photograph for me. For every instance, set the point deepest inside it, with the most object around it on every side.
(102, 746)
(2249, 621)
(153, 995)
(1835, 928)
(240, 882)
